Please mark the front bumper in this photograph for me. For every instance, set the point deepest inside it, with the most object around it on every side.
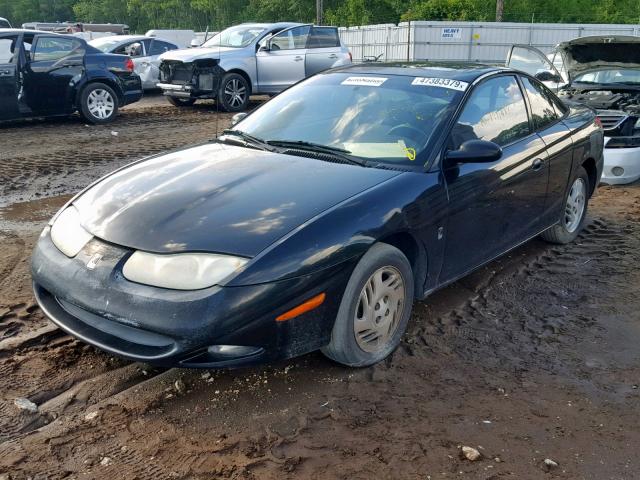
(621, 165)
(181, 328)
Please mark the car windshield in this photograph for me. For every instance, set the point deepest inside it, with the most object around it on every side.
(378, 118)
(235, 37)
(611, 75)
(105, 45)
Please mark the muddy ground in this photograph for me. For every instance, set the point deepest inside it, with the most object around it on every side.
(536, 356)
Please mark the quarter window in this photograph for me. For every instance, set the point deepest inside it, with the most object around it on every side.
(543, 111)
(292, 39)
(495, 112)
(50, 48)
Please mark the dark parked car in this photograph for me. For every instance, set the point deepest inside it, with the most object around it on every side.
(317, 220)
(45, 74)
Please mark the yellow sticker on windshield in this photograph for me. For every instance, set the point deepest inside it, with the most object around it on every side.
(410, 153)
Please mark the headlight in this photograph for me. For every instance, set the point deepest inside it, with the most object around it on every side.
(181, 271)
(67, 234)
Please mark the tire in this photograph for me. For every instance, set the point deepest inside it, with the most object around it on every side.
(181, 102)
(98, 103)
(574, 211)
(358, 346)
(234, 92)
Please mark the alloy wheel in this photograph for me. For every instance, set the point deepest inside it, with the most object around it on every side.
(379, 309)
(574, 207)
(101, 103)
(235, 93)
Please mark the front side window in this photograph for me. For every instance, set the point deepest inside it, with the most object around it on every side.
(158, 47)
(379, 118)
(52, 48)
(235, 37)
(495, 112)
(8, 49)
(324, 37)
(543, 111)
(292, 39)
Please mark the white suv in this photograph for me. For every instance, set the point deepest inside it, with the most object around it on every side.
(252, 58)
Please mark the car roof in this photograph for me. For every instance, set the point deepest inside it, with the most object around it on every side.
(466, 72)
(272, 25)
(26, 30)
(124, 38)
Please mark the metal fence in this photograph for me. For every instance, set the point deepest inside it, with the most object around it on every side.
(484, 42)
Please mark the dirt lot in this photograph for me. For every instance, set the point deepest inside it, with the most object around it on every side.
(534, 357)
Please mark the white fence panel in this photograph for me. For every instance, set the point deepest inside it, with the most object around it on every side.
(486, 42)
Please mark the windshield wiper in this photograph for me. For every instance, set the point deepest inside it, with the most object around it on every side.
(624, 83)
(248, 140)
(340, 153)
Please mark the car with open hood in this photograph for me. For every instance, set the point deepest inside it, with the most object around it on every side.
(317, 219)
(249, 59)
(602, 72)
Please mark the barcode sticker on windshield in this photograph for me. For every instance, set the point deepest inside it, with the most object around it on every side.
(370, 81)
(441, 82)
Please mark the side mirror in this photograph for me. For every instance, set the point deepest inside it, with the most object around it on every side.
(237, 117)
(264, 48)
(547, 76)
(195, 43)
(475, 151)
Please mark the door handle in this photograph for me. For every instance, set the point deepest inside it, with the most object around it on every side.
(333, 56)
(297, 59)
(537, 164)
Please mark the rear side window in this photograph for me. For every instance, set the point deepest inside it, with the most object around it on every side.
(543, 111)
(323, 37)
(495, 112)
(158, 47)
(53, 48)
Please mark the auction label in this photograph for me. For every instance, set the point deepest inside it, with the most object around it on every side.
(370, 81)
(441, 82)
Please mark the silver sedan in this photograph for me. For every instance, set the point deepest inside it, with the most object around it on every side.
(145, 52)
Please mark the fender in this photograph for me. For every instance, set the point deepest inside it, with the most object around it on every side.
(347, 230)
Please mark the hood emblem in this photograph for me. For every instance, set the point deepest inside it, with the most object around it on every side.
(94, 260)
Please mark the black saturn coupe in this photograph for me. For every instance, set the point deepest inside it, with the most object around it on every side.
(317, 220)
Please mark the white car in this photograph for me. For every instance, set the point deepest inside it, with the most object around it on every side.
(144, 51)
(602, 72)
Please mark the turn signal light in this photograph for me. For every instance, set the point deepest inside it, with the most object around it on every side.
(307, 306)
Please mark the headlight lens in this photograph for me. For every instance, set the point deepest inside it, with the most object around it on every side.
(181, 271)
(67, 234)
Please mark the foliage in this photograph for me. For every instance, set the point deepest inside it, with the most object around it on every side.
(142, 15)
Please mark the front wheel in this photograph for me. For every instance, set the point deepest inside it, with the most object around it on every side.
(374, 310)
(234, 92)
(574, 213)
(98, 103)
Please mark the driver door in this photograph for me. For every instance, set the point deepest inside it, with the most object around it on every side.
(532, 61)
(52, 65)
(9, 54)
(281, 62)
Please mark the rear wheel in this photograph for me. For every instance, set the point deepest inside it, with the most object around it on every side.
(181, 102)
(98, 103)
(374, 310)
(234, 92)
(574, 213)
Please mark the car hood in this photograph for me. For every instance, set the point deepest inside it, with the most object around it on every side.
(217, 198)
(192, 54)
(592, 53)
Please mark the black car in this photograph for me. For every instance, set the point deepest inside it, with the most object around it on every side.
(44, 74)
(318, 219)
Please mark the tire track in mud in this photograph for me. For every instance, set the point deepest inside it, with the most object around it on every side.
(505, 315)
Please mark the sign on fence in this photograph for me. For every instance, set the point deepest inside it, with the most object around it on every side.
(449, 32)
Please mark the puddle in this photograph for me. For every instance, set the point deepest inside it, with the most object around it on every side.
(22, 214)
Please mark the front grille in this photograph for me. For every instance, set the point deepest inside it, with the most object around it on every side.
(611, 121)
(180, 74)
